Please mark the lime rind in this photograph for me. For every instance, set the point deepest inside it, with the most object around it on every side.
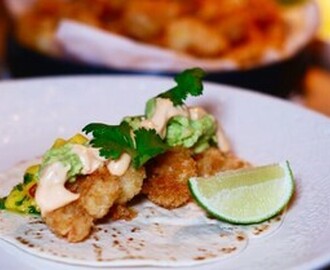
(220, 214)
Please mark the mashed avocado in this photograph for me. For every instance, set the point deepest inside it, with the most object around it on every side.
(66, 156)
(197, 134)
(182, 131)
(150, 108)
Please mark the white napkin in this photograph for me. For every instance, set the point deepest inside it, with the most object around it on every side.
(99, 47)
(95, 46)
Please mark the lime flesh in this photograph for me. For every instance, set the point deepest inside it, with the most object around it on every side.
(245, 196)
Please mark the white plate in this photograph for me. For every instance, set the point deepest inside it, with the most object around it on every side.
(261, 129)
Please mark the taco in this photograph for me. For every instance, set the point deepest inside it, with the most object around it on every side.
(121, 196)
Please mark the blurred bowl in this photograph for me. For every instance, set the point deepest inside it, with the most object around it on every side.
(320, 53)
(278, 78)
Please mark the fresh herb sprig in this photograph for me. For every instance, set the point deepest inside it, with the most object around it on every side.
(140, 144)
(189, 82)
(143, 144)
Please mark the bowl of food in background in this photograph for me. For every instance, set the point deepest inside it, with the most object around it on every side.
(255, 44)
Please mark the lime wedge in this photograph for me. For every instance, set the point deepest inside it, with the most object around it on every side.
(245, 196)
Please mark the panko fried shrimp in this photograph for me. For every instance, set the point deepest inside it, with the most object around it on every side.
(167, 178)
(71, 222)
(85, 180)
(212, 161)
(122, 212)
(99, 193)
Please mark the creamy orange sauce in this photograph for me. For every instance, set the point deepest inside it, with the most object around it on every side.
(89, 157)
(51, 193)
(164, 111)
(120, 166)
(223, 142)
(196, 113)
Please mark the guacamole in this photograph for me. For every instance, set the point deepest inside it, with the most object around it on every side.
(197, 134)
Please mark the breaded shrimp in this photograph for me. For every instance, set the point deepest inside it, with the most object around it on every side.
(122, 212)
(99, 192)
(130, 184)
(209, 162)
(167, 177)
(70, 221)
(213, 161)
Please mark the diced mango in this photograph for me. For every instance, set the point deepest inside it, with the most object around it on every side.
(33, 169)
(58, 143)
(78, 139)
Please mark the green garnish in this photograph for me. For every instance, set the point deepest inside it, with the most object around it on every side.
(28, 177)
(20, 202)
(148, 145)
(189, 82)
(2, 203)
(113, 141)
(140, 143)
(33, 210)
(133, 121)
(196, 134)
(19, 187)
(65, 155)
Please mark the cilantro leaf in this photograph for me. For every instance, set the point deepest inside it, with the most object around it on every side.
(115, 140)
(189, 82)
(112, 140)
(148, 145)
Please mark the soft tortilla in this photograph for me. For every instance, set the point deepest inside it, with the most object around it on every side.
(157, 237)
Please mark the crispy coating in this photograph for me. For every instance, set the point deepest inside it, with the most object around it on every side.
(70, 221)
(209, 162)
(99, 192)
(166, 185)
(130, 184)
(168, 174)
(213, 161)
(167, 177)
(122, 212)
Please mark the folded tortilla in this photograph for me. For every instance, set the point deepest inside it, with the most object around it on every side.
(156, 237)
